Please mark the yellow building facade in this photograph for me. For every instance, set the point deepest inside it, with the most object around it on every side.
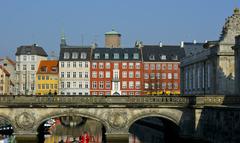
(47, 78)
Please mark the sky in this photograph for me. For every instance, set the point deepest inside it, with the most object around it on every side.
(25, 22)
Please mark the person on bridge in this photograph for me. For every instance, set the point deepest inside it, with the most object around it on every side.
(85, 138)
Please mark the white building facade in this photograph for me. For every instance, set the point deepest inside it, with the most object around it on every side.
(27, 61)
(74, 69)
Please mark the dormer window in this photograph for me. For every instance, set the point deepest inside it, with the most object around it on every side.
(54, 69)
(116, 55)
(125, 55)
(136, 56)
(44, 69)
(96, 56)
(106, 55)
(174, 57)
(74, 55)
(163, 57)
(66, 55)
(152, 57)
(83, 55)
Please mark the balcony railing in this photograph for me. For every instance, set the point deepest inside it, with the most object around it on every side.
(117, 101)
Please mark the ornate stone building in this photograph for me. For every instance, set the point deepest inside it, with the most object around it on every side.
(210, 68)
(237, 65)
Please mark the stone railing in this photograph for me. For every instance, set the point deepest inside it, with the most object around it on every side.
(116, 101)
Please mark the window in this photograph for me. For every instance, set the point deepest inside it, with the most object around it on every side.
(32, 67)
(101, 65)
(124, 74)
(39, 86)
(86, 64)
(107, 65)
(47, 86)
(146, 76)
(163, 57)
(80, 85)
(74, 55)
(164, 76)
(175, 66)
(94, 74)
(96, 56)
(137, 74)
(74, 74)
(86, 85)
(152, 86)
(80, 64)
(152, 57)
(138, 85)
(137, 66)
(47, 77)
(39, 77)
(152, 75)
(94, 65)
(24, 67)
(131, 65)
(175, 85)
(86, 74)
(106, 55)
(169, 75)
(146, 66)
(68, 74)
(101, 74)
(146, 85)
(135, 56)
(108, 84)
(83, 55)
(152, 66)
(43, 86)
(124, 93)
(116, 55)
(124, 85)
(68, 84)
(169, 85)
(66, 55)
(32, 58)
(24, 58)
(115, 65)
(124, 65)
(174, 57)
(131, 75)
(175, 75)
(169, 66)
(125, 55)
(62, 84)
(43, 77)
(158, 75)
(131, 84)
(68, 64)
(101, 85)
(107, 74)
(80, 74)
(74, 64)
(158, 66)
(115, 76)
(62, 64)
(163, 66)
(164, 85)
(54, 69)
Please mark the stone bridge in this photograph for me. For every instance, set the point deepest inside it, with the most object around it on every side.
(195, 116)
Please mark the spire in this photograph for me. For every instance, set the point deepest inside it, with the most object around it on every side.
(63, 40)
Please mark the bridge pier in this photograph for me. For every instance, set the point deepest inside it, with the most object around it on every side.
(26, 138)
(117, 138)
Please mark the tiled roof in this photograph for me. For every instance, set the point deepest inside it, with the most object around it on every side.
(48, 67)
(193, 48)
(168, 53)
(31, 50)
(119, 51)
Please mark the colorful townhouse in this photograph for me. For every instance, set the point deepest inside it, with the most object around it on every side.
(47, 78)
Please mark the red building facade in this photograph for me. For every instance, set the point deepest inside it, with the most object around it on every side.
(116, 71)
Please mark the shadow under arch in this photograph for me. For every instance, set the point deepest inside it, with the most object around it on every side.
(43, 120)
(154, 128)
(6, 126)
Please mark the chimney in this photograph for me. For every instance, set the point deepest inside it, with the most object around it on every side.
(160, 44)
(182, 44)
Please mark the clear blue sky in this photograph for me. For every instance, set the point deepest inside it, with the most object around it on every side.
(26, 22)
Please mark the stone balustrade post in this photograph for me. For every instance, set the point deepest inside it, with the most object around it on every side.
(26, 137)
(117, 137)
